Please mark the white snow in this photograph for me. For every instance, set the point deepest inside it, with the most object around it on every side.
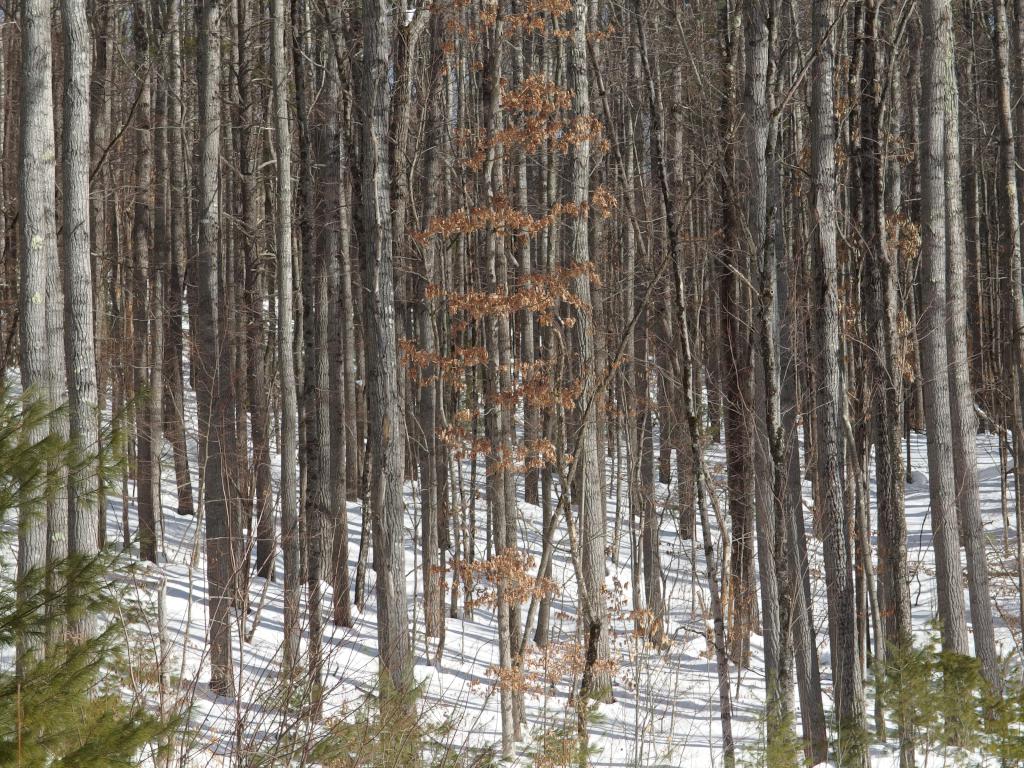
(666, 702)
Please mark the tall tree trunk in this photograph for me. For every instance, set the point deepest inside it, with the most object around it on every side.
(428, 395)
(285, 340)
(597, 682)
(79, 343)
(769, 467)
(1015, 311)
(336, 241)
(174, 399)
(213, 386)
(805, 647)
(384, 413)
(142, 245)
(880, 310)
(936, 51)
(881, 321)
(37, 245)
(736, 375)
(314, 451)
(838, 557)
(961, 394)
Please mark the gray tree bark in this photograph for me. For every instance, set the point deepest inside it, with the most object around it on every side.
(384, 412)
(37, 245)
(597, 680)
(846, 668)
(212, 384)
(1016, 273)
(961, 394)
(285, 340)
(79, 343)
(936, 48)
(174, 405)
(147, 497)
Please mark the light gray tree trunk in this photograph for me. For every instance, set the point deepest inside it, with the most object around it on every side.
(429, 416)
(881, 320)
(285, 340)
(57, 499)
(1016, 310)
(384, 413)
(936, 48)
(597, 680)
(37, 244)
(849, 694)
(961, 394)
(79, 343)
(769, 466)
(99, 129)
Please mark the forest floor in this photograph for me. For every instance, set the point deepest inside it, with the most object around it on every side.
(665, 711)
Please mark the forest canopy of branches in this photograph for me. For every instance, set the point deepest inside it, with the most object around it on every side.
(529, 288)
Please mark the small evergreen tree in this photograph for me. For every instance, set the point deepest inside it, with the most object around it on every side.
(67, 707)
(950, 707)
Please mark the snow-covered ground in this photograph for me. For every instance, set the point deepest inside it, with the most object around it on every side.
(665, 711)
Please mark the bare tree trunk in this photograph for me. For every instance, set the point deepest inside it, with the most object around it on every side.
(735, 375)
(260, 415)
(643, 502)
(838, 557)
(142, 244)
(881, 309)
(597, 682)
(174, 401)
(881, 320)
(37, 245)
(805, 646)
(314, 450)
(1016, 273)
(428, 396)
(961, 394)
(337, 241)
(285, 341)
(932, 328)
(213, 386)
(384, 427)
(79, 344)
(769, 466)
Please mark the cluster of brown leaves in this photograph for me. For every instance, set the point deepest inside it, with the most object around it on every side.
(501, 217)
(533, 15)
(600, 35)
(908, 242)
(537, 94)
(516, 459)
(462, 443)
(583, 128)
(541, 669)
(538, 293)
(455, 28)
(539, 389)
(540, 114)
(513, 571)
(425, 367)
